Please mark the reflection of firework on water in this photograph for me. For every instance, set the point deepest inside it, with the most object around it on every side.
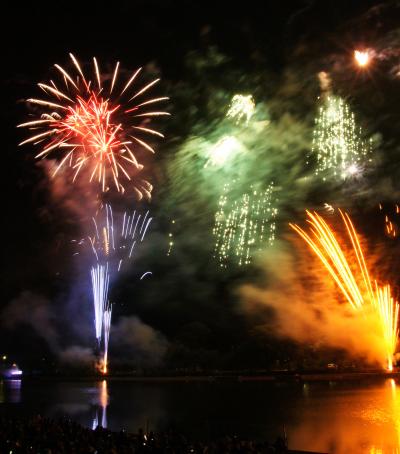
(115, 236)
(100, 282)
(106, 328)
(356, 287)
(241, 107)
(95, 125)
(101, 405)
(244, 225)
(338, 144)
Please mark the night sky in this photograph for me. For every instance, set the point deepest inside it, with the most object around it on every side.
(189, 313)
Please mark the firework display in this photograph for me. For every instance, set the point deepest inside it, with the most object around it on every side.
(112, 243)
(242, 107)
(95, 124)
(244, 225)
(357, 286)
(338, 142)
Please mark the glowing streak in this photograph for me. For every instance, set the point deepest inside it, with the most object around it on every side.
(114, 77)
(147, 273)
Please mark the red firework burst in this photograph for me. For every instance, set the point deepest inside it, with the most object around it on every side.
(95, 128)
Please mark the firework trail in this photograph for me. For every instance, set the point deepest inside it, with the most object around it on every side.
(243, 225)
(106, 327)
(357, 287)
(100, 283)
(95, 124)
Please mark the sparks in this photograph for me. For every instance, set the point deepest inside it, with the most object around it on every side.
(244, 225)
(93, 128)
(338, 143)
(357, 287)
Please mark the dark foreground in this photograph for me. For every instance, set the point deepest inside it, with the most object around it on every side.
(49, 436)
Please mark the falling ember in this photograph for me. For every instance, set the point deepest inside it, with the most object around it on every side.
(94, 125)
(390, 225)
(357, 287)
(362, 58)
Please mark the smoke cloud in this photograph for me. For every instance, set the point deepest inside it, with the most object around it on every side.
(134, 340)
(307, 307)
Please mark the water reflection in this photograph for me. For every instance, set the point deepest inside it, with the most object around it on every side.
(101, 407)
(10, 391)
(334, 417)
(349, 419)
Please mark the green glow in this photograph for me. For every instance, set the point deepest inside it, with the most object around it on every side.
(337, 141)
(224, 149)
(241, 107)
(244, 225)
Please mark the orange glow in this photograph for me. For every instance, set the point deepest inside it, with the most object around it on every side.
(356, 286)
(362, 58)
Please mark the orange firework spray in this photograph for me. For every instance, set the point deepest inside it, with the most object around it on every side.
(93, 125)
(354, 282)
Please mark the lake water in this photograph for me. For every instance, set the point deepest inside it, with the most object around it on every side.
(334, 417)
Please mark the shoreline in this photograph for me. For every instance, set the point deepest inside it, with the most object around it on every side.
(271, 378)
